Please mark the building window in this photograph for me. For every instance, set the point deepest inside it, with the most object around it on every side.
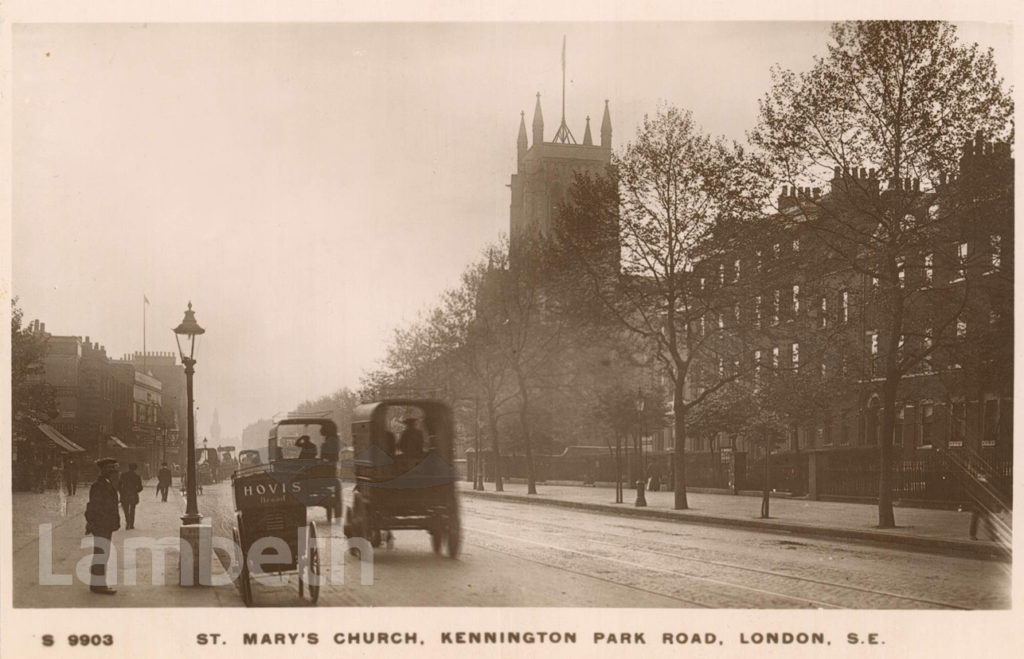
(929, 268)
(701, 327)
(721, 367)
(757, 367)
(901, 270)
(873, 343)
(926, 351)
(824, 371)
(961, 256)
(796, 300)
(736, 270)
(844, 429)
(961, 328)
(995, 243)
(927, 424)
(702, 282)
(775, 358)
(757, 311)
(758, 258)
(721, 321)
(736, 313)
(721, 274)
(874, 283)
(823, 318)
(990, 430)
(796, 245)
(871, 422)
(796, 356)
(846, 306)
(776, 250)
(775, 306)
(897, 433)
(958, 424)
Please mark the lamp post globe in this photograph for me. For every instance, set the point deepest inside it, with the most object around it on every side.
(185, 334)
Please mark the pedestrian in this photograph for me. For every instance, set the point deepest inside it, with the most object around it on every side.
(101, 520)
(653, 476)
(331, 447)
(307, 449)
(71, 476)
(982, 508)
(163, 481)
(410, 442)
(129, 488)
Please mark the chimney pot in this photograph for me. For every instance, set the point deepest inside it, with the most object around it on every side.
(837, 173)
(871, 172)
(863, 173)
(817, 192)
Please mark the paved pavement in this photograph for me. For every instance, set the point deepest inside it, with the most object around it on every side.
(65, 518)
(921, 529)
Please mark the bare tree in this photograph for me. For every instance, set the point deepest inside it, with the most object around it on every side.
(675, 204)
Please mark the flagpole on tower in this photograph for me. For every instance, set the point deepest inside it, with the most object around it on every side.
(563, 78)
(145, 303)
(563, 135)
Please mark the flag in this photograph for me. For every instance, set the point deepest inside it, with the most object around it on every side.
(563, 53)
(145, 299)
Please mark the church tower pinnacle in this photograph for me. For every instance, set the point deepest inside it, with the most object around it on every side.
(606, 128)
(521, 144)
(538, 124)
(587, 140)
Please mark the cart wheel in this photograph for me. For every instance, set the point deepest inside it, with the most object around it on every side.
(244, 587)
(435, 541)
(313, 565)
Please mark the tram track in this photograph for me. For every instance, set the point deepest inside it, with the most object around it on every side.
(551, 528)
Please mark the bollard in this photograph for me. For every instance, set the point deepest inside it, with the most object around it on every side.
(641, 499)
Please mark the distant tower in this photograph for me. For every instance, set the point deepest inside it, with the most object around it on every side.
(215, 428)
(544, 173)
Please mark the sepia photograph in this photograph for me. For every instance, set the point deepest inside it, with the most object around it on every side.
(622, 316)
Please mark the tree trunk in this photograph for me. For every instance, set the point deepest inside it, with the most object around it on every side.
(524, 422)
(886, 516)
(678, 457)
(618, 468)
(766, 492)
(492, 423)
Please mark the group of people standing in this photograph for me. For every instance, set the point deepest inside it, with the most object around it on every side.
(102, 518)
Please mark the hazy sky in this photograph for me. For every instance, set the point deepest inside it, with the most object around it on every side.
(311, 187)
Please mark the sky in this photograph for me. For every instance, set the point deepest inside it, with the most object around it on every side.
(311, 187)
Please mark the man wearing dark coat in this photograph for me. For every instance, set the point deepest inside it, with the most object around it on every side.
(101, 520)
(410, 442)
(129, 487)
(163, 481)
(71, 476)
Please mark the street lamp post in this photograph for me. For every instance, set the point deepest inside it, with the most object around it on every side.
(188, 330)
(641, 499)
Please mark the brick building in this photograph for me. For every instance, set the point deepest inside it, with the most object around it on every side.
(819, 317)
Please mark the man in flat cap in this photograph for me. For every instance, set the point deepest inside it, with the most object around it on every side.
(101, 520)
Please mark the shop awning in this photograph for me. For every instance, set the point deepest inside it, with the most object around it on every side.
(59, 439)
(117, 442)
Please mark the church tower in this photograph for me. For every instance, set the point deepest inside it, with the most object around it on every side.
(544, 173)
